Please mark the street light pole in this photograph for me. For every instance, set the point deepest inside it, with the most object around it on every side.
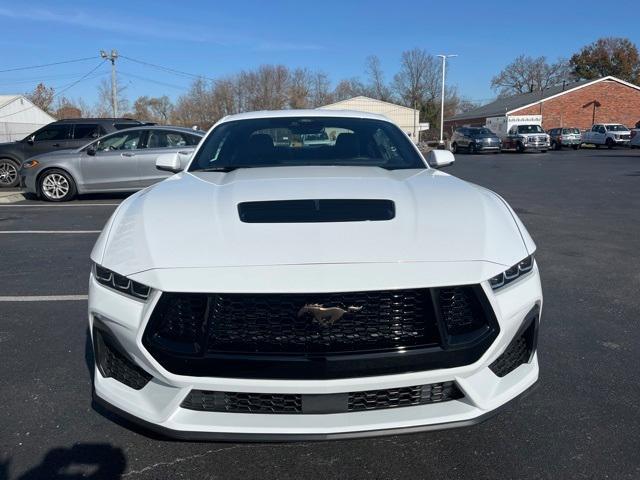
(114, 85)
(444, 66)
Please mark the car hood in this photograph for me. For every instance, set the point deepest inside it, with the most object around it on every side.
(191, 220)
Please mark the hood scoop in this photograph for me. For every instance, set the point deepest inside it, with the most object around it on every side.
(317, 211)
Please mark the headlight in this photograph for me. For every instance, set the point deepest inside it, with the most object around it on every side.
(121, 283)
(30, 164)
(511, 274)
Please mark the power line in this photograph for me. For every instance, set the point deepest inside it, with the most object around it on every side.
(167, 69)
(47, 64)
(127, 74)
(64, 89)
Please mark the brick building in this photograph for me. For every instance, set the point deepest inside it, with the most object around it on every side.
(579, 104)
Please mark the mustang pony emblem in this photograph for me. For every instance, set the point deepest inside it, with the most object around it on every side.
(326, 316)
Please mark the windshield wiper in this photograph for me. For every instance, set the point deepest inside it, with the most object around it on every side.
(226, 168)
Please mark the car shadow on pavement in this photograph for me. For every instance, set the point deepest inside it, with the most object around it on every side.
(93, 461)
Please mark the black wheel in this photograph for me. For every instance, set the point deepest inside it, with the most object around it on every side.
(9, 173)
(520, 147)
(554, 146)
(543, 151)
(472, 148)
(56, 185)
(596, 145)
(454, 148)
(609, 143)
(575, 147)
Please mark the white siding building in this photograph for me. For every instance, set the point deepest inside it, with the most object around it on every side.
(408, 119)
(19, 117)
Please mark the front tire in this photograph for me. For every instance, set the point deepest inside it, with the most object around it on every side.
(520, 147)
(56, 185)
(575, 147)
(9, 177)
(609, 143)
(454, 148)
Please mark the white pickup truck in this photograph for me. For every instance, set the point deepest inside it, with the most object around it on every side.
(609, 134)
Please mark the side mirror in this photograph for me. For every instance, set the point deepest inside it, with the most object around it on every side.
(440, 158)
(169, 162)
(31, 139)
(91, 150)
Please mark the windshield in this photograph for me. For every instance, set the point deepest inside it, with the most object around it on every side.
(530, 129)
(296, 141)
(569, 131)
(481, 131)
(616, 128)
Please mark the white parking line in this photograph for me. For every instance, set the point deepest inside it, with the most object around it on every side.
(66, 232)
(50, 205)
(44, 298)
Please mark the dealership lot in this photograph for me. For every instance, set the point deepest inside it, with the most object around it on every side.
(581, 421)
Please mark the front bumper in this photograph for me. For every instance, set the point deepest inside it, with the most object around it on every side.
(537, 146)
(28, 180)
(157, 405)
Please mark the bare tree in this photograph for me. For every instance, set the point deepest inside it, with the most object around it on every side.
(153, 109)
(104, 106)
(42, 97)
(377, 86)
(320, 90)
(348, 88)
(300, 86)
(68, 108)
(418, 81)
(527, 74)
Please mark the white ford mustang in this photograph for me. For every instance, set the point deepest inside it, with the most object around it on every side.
(309, 275)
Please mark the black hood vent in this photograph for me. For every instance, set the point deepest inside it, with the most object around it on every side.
(316, 211)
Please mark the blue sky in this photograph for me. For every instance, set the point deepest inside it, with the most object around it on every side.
(216, 38)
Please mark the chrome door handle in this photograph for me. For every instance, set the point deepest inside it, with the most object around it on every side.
(56, 144)
(128, 154)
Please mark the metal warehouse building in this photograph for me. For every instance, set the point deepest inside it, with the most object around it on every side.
(579, 104)
(19, 117)
(408, 119)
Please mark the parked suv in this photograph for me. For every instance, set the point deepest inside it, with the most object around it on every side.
(63, 134)
(565, 137)
(475, 139)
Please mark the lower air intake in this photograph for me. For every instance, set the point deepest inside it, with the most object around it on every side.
(113, 364)
(277, 403)
(520, 350)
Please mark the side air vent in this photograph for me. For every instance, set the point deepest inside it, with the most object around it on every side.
(316, 211)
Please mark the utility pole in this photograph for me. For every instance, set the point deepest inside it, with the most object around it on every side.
(114, 82)
(444, 66)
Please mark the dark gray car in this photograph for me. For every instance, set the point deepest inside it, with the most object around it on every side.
(60, 135)
(119, 162)
(474, 139)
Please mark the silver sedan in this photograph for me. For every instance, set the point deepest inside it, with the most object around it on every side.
(120, 162)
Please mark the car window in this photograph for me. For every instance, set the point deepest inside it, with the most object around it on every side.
(87, 131)
(301, 141)
(617, 128)
(601, 129)
(122, 126)
(53, 132)
(169, 139)
(121, 141)
(530, 129)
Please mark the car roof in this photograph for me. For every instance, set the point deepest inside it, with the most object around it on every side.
(320, 113)
(161, 127)
(94, 120)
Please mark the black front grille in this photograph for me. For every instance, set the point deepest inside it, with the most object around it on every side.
(279, 323)
(112, 363)
(461, 310)
(277, 403)
(319, 335)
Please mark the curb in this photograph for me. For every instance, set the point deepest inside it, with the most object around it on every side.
(11, 197)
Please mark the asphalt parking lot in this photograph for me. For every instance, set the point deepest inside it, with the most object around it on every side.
(582, 420)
